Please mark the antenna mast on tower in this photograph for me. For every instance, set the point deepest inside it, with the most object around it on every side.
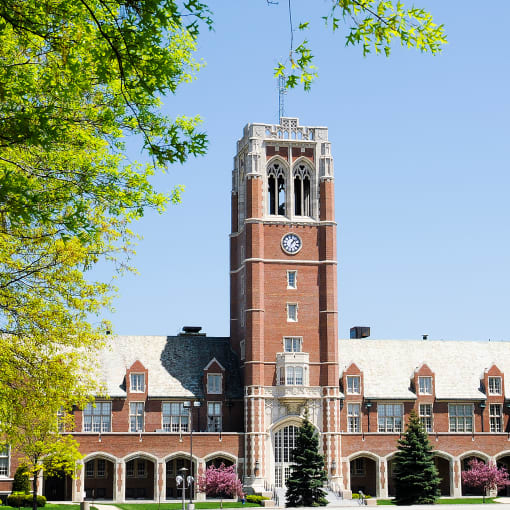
(281, 94)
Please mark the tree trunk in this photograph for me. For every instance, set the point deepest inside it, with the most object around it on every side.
(34, 492)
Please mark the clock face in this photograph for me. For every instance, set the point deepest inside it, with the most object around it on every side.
(291, 243)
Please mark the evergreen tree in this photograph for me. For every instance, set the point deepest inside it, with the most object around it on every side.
(416, 476)
(304, 487)
(21, 482)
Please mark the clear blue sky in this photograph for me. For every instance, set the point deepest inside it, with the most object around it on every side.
(421, 148)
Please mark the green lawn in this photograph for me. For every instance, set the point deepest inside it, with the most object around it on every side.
(177, 506)
(49, 506)
(448, 501)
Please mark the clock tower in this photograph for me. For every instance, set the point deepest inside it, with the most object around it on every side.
(283, 287)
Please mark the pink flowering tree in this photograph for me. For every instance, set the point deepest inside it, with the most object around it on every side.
(220, 482)
(485, 476)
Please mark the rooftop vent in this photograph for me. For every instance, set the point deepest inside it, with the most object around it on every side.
(424, 337)
(360, 332)
(192, 330)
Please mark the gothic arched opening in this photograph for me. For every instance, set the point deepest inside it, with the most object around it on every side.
(140, 479)
(218, 461)
(443, 468)
(173, 468)
(466, 490)
(99, 475)
(284, 444)
(58, 487)
(363, 475)
(505, 463)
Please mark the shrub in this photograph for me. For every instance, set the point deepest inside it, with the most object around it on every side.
(21, 483)
(252, 498)
(20, 499)
(356, 496)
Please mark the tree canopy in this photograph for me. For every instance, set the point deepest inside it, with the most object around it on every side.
(78, 81)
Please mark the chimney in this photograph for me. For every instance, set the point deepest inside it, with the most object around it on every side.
(191, 330)
(360, 332)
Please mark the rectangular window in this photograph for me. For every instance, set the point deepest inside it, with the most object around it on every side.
(136, 415)
(242, 348)
(353, 418)
(353, 384)
(358, 467)
(137, 383)
(495, 418)
(98, 418)
(494, 385)
(214, 383)
(292, 279)
(292, 344)
(101, 468)
(214, 416)
(294, 375)
(130, 469)
(89, 469)
(4, 461)
(140, 468)
(389, 417)
(291, 312)
(461, 417)
(175, 417)
(425, 385)
(426, 416)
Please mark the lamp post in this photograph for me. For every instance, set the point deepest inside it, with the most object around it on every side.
(182, 479)
(189, 406)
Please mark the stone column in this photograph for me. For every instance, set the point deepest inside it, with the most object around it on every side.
(455, 475)
(119, 491)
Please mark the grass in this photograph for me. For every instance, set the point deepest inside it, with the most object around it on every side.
(177, 506)
(448, 501)
(49, 506)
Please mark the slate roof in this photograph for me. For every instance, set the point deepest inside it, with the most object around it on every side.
(389, 365)
(175, 363)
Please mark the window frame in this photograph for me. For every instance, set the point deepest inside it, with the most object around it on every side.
(5, 458)
(136, 415)
(354, 417)
(495, 420)
(359, 468)
(294, 273)
(426, 418)
(464, 417)
(496, 379)
(351, 388)
(292, 317)
(395, 426)
(294, 341)
(215, 388)
(216, 425)
(102, 417)
(423, 390)
(134, 387)
(175, 421)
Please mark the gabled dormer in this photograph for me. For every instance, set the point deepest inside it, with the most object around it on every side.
(493, 383)
(423, 382)
(352, 382)
(214, 378)
(137, 381)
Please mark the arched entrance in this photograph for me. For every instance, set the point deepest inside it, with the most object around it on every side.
(466, 490)
(218, 461)
(173, 468)
(363, 472)
(505, 463)
(58, 487)
(443, 468)
(284, 443)
(140, 478)
(99, 474)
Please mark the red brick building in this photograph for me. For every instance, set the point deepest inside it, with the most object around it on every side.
(246, 394)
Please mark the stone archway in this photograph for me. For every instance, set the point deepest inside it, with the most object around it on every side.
(140, 478)
(443, 468)
(99, 476)
(58, 487)
(173, 467)
(363, 473)
(218, 461)
(466, 490)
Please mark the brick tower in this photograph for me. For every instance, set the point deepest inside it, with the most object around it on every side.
(283, 288)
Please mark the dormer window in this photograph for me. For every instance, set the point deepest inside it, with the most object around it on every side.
(494, 385)
(137, 383)
(353, 384)
(425, 385)
(214, 383)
